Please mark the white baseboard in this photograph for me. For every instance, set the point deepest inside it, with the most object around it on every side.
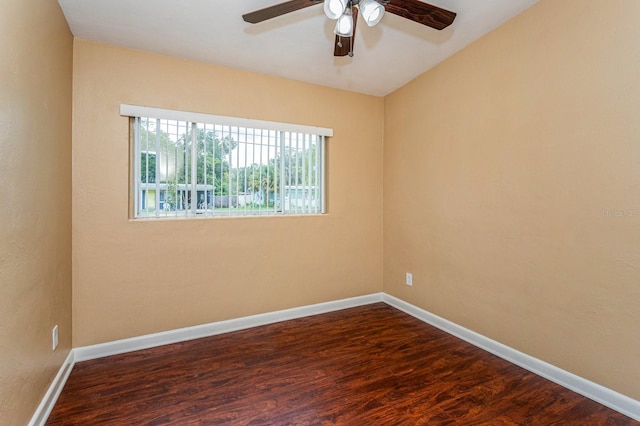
(41, 414)
(605, 396)
(205, 330)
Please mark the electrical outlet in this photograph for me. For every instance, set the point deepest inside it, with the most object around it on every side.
(54, 338)
(409, 279)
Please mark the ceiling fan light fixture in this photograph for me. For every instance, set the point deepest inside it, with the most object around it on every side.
(344, 26)
(334, 9)
(371, 11)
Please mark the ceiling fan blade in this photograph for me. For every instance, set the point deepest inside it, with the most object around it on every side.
(344, 45)
(422, 13)
(277, 10)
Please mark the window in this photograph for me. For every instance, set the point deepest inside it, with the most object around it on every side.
(191, 165)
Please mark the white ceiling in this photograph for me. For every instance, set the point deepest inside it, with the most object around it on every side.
(298, 45)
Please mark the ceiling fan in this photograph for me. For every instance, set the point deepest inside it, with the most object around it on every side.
(345, 12)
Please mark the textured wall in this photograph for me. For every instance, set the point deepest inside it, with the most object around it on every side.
(138, 277)
(35, 201)
(512, 188)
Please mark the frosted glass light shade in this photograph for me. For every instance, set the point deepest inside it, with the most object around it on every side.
(344, 26)
(334, 8)
(371, 11)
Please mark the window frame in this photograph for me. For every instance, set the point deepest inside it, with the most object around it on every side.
(135, 112)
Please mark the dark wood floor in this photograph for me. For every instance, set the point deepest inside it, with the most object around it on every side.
(371, 365)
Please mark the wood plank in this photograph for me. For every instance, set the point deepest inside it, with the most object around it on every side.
(371, 365)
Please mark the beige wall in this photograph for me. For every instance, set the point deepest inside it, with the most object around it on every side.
(35, 201)
(502, 170)
(138, 277)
